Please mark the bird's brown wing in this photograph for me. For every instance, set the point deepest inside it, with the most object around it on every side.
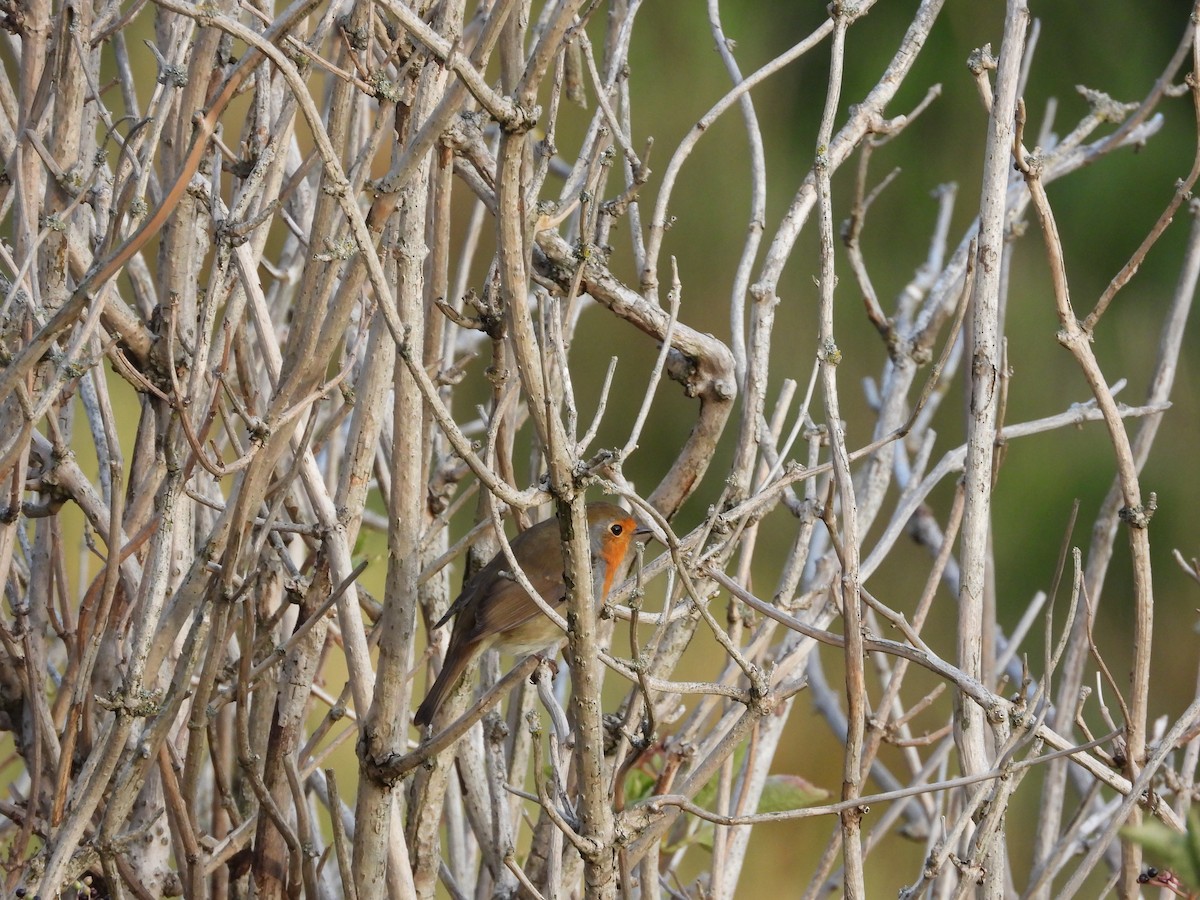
(507, 606)
(471, 589)
(531, 538)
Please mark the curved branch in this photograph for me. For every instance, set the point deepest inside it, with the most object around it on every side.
(700, 362)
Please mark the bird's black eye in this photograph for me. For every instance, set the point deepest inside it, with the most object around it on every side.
(616, 529)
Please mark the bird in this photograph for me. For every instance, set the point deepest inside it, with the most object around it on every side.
(493, 610)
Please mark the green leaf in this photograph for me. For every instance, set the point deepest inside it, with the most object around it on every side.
(1180, 853)
(638, 785)
(784, 792)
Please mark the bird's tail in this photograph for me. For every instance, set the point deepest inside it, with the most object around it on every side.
(452, 670)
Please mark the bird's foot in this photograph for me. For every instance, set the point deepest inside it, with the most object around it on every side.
(549, 661)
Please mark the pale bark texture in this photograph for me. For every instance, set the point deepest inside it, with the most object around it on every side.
(307, 311)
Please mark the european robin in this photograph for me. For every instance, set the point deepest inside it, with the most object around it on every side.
(493, 610)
